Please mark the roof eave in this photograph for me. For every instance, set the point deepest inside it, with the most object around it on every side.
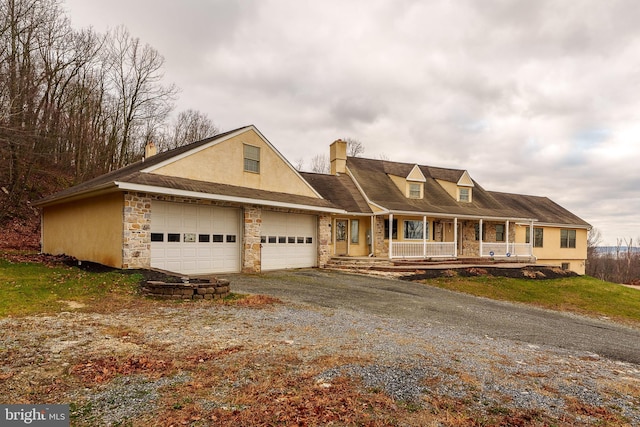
(108, 187)
(222, 197)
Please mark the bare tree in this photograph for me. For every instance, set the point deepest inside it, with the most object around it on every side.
(139, 97)
(354, 147)
(188, 127)
(299, 164)
(320, 164)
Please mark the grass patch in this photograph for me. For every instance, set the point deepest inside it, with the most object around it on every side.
(583, 294)
(33, 288)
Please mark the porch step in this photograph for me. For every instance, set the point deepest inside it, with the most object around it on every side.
(358, 262)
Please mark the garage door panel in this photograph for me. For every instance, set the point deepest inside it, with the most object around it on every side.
(200, 232)
(288, 241)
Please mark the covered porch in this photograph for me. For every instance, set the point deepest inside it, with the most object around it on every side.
(432, 237)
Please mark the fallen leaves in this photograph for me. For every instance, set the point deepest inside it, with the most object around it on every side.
(97, 371)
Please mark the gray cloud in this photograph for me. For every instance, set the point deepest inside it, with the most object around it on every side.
(535, 97)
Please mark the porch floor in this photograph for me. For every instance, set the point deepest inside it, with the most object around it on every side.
(406, 265)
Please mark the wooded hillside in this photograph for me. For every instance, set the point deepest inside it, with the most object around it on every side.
(75, 104)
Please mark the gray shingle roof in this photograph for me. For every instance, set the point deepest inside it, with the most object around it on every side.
(122, 174)
(541, 208)
(373, 177)
(340, 189)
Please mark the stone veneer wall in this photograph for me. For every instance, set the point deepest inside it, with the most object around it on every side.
(136, 249)
(324, 240)
(252, 247)
(137, 230)
(381, 247)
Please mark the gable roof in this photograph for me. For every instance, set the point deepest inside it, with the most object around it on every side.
(135, 177)
(372, 177)
(340, 189)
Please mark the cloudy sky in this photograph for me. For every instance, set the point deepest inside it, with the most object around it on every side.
(533, 97)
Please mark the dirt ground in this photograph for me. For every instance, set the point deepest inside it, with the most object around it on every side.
(265, 361)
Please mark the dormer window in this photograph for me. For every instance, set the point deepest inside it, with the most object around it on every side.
(464, 194)
(415, 190)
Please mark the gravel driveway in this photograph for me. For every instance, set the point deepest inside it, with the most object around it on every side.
(427, 305)
(338, 346)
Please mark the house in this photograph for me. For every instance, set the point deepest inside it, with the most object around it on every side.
(233, 203)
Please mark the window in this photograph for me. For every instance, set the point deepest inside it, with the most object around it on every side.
(499, 232)
(413, 230)
(189, 237)
(477, 232)
(355, 231)
(263, 239)
(464, 195)
(204, 238)
(291, 239)
(273, 239)
(231, 238)
(251, 158)
(173, 237)
(309, 240)
(415, 190)
(341, 230)
(157, 237)
(282, 239)
(394, 231)
(566, 266)
(300, 239)
(567, 238)
(218, 238)
(537, 237)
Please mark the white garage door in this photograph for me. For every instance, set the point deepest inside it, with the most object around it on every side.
(193, 239)
(288, 241)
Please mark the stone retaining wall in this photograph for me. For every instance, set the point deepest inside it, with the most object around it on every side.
(200, 289)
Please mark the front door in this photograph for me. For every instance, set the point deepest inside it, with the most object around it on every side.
(342, 232)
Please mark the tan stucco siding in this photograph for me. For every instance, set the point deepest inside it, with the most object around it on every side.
(449, 187)
(89, 229)
(552, 253)
(224, 163)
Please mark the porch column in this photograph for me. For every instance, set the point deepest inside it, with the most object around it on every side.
(455, 237)
(480, 236)
(390, 235)
(424, 236)
(506, 239)
(531, 237)
(372, 239)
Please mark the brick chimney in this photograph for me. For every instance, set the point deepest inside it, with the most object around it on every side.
(150, 150)
(338, 156)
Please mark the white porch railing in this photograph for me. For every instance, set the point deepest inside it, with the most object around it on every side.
(422, 249)
(505, 249)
